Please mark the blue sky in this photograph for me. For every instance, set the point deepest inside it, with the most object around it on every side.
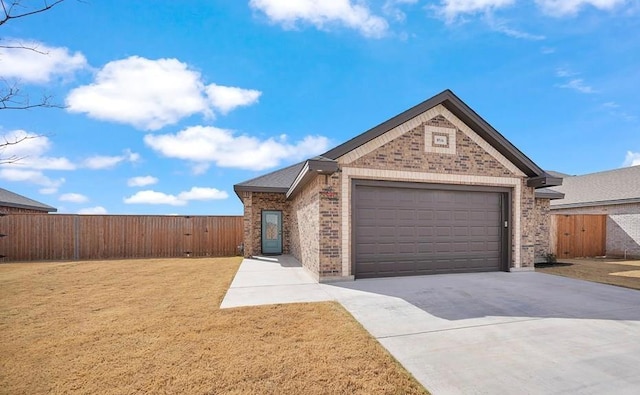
(168, 104)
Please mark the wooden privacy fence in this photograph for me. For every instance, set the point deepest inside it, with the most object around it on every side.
(578, 235)
(43, 237)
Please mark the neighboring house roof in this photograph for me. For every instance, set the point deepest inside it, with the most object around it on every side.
(558, 174)
(617, 186)
(277, 181)
(11, 199)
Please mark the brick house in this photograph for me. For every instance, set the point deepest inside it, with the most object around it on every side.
(434, 189)
(12, 203)
(614, 193)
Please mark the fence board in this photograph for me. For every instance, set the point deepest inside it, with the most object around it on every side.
(42, 237)
(580, 235)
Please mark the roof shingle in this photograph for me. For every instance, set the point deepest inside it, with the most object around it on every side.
(11, 199)
(607, 187)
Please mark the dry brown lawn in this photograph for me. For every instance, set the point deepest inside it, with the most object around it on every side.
(606, 271)
(154, 326)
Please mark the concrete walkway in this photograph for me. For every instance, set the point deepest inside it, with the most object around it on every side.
(487, 333)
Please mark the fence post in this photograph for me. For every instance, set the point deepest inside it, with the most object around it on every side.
(76, 238)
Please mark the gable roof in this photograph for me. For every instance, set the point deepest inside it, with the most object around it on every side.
(276, 181)
(11, 199)
(617, 186)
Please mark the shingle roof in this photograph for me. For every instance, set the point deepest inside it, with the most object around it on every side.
(279, 179)
(11, 199)
(608, 187)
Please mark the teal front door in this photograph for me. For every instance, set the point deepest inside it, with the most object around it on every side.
(272, 232)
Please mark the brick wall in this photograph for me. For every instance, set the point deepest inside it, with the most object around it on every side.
(407, 152)
(623, 227)
(330, 230)
(542, 230)
(529, 226)
(305, 227)
(254, 204)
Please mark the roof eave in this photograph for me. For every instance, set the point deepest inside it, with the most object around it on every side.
(544, 181)
(311, 168)
(244, 188)
(47, 209)
(551, 195)
(595, 204)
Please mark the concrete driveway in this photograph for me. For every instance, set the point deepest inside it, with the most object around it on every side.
(488, 333)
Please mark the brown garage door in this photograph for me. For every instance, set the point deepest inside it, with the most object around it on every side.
(404, 231)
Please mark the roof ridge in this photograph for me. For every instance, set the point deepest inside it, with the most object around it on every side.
(619, 169)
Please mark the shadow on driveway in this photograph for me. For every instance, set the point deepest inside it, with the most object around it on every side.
(477, 295)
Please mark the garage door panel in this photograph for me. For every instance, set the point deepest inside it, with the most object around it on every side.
(411, 231)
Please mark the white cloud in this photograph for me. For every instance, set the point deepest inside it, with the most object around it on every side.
(40, 65)
(501, 26)
(632, 159)
(30, 152)
(207, 144)
(106, 162)
(150, 94)
(93, 210)
(322, 13)
(564, 72)
(73, 198)
(559, 8)
(578, 85)
(141, 181)
(392, 8)
(153, 197)
(147, 94)
(195, 193)
(227, 98)
(31, 176)
(451, 10)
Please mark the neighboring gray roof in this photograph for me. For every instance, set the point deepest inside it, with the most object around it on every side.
(558, 174)
(281, 180)
(10, 199)
(608, 187)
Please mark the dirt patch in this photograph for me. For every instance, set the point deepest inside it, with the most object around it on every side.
(154, 326)
(606, 271)
(631, 273)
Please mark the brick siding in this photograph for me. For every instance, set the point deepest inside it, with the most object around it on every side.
(254, 204)
(542, 230)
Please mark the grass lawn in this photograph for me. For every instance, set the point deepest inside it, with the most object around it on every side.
(607, 271)
(154, 326)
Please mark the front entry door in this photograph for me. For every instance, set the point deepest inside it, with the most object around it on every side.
(272, 232)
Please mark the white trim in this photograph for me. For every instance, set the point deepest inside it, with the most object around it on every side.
(349, 173)
(416, 121)
(299, 177)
